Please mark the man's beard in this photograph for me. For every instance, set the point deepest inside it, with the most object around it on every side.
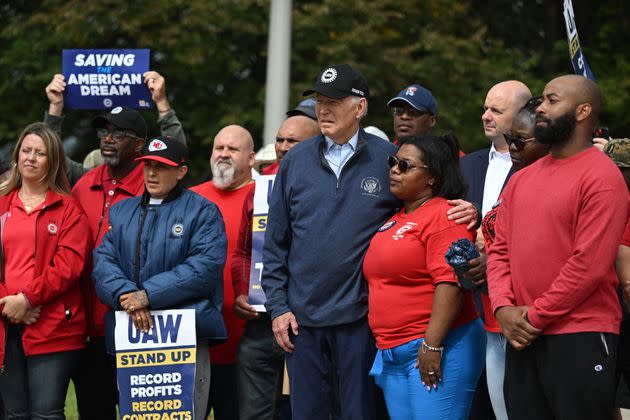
(111, 160)
(223, 176)
(557, 131)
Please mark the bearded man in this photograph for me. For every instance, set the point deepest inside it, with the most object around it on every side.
(231, 162)
(551, 269)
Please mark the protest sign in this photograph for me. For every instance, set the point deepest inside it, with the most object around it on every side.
(580, 66)
(262, 194)
(103, 79)
(156, 369)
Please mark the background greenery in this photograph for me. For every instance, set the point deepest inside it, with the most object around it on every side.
(213, 55)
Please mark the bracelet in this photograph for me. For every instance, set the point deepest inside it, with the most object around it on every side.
(426, 347)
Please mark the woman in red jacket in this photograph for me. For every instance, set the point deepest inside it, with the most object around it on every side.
(44, 242)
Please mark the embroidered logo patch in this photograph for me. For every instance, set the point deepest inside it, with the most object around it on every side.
(387, 226)
(400, 233)
(177, 229)
(156, 145)
(329, 75)
(52, 228)
(371, 185)
(411, 91)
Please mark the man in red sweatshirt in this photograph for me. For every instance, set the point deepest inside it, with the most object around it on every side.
(551, 268)
(231, 163)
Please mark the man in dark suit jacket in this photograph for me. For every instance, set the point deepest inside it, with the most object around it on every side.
(486, 171)
(502, 102)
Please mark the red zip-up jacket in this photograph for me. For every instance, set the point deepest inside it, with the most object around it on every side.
(92, 197)
(61, 246)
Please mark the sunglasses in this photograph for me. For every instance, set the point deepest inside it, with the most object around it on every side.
(117, 135)
(411, 112)
(519, 142)
(403, 165)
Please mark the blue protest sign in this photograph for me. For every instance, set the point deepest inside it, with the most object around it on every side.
(580, 66)
(262, 193)
(103, 79)
(156, 370)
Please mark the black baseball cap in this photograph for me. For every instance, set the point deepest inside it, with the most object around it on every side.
(338, 81)
(165, 149)
(123, 118)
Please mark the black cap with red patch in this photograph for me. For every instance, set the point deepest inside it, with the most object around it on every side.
(166, 150)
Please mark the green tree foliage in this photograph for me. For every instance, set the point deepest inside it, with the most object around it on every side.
(213, 55)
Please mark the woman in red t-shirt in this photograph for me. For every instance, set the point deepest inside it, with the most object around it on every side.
(43, 245)
(429, 338)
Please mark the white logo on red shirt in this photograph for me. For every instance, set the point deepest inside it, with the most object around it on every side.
(52, 228)
(400, 233)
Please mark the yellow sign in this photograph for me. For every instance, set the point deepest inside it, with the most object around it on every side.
(260, 223)
(156, 357)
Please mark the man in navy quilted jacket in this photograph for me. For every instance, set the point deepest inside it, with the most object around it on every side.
(166, 250)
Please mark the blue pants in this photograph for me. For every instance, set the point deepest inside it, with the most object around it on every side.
(34, 387)
(329, 367)
(495, 372)
(407, 399)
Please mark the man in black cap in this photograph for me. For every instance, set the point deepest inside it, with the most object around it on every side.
(165, 250)
(415, 111)
(121, 133)
(330, 196)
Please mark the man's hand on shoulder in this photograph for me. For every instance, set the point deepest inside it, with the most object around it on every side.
(280, 326)
(244, 310)
(463, 212)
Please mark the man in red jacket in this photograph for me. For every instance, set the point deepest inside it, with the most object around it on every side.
(551, 268)
(231, 162)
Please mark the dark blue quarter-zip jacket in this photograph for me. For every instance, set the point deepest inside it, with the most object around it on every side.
(319, 228)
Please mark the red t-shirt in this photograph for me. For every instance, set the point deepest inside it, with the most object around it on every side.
(490, 323)
(271, 169)
(18, 237)
(404, 262)
(230, 204)
(557, 233)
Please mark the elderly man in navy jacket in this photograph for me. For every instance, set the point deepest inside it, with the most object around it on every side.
(166, 250)
(330, 196)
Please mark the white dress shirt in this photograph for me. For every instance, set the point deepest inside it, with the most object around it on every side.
(499, 165)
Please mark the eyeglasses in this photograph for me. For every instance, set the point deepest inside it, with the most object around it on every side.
(117, 135)
(519, 142)
(411, 112)
(403, 165)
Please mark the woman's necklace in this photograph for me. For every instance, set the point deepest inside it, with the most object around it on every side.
(33, 202)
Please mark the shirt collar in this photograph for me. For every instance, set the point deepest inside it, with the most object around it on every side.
(495, 154)
(354, 140)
